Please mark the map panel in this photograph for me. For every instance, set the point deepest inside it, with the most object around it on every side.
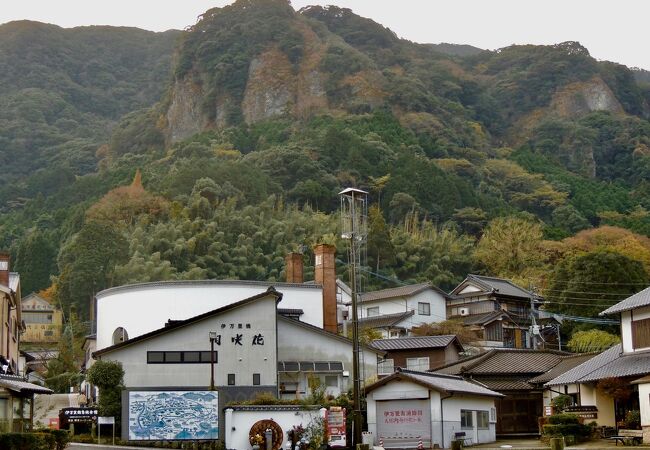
(173, 415)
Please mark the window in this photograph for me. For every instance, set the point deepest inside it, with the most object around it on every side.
(466, 419)
(256, 379)
(386, 367)
(641, 333)
(120, 335)
(421, 364)
(331, 381)
(231, 379)
(371, 312)
(178, 357)
(482, 420)
(493, 331)
(424, 309)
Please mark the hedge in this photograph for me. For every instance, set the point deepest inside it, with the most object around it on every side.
(40, 440)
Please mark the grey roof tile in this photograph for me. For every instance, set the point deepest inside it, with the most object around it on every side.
(506, 361)
(567, 363)
(506, 384)
(401, 291)
(635, 301)
(18, 384)
(384, 320)
(439, 382)
(587, 367)
(414, 342)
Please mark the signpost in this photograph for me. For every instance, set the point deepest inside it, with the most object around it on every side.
(105, 421)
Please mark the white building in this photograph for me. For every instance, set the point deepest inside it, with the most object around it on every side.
(404, 307)
(628, 361)
(409, 406)
(256, 350)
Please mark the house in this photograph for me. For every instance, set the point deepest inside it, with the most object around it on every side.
(516, 374)
(389, 325)
(43, 322)
(626, 364)
(417, 352)
(256, 350)
(10, 317)
(16, 394)
(409, 406)
(417, 303)
(498, 309)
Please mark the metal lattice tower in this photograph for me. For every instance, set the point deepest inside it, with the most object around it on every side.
(354, 229)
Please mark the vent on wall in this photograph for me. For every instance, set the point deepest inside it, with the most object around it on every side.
(464, 311)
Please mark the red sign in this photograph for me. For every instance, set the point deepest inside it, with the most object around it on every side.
(54, 424)
(335, 417)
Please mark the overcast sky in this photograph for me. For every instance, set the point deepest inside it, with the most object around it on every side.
(611, 30)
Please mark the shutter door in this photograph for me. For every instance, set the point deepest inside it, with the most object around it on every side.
(401, 422)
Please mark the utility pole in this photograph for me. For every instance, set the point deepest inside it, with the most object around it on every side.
(534, 329)
(354, 228)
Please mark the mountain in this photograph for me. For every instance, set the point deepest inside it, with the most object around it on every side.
(247, 124)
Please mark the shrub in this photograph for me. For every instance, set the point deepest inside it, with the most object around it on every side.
(27, 441)
(563, 419)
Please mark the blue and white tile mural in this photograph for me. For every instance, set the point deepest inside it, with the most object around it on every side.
(169, 415)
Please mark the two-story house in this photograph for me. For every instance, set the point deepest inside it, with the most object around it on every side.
(43, 322)
(626, 364)
(417, 352)
(395, 311)
(499, 310)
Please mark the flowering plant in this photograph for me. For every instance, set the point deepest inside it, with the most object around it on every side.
(256, 439)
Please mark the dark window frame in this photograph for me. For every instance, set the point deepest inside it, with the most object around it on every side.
(424, 308)
(257, 378)
(231, 379)
(204, 357)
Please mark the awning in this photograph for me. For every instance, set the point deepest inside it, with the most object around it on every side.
(17, 384)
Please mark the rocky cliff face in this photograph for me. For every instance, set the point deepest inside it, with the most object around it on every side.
(577, 99)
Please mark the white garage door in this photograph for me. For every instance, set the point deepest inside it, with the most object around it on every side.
(402, 422)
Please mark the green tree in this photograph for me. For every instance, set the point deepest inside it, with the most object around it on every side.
(86, 264)
(510, 247)
(592, 341)
(586, 284)
(380, 248)
(36, 260)
(108, 376)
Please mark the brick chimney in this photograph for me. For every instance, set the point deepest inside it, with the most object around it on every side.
(4, 268)
(293, 267)
(325, 275)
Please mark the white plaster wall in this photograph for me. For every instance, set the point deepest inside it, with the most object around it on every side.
(403, 304)
(644, 403)
(626, 327)
(239, 423)
(243, 360)
(296, 343)
(590, 396)
(451, 416)
(146, 307)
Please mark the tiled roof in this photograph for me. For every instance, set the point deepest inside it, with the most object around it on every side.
(18, 384)
(290, 312)
(501, 286)
(506, 384)
(401, 291)
(384, 320)
(623, 366)
(414, 342)
(505, 361)
(438, 382)
(639, 299)
(586, 368)
(567, 363)
(484, 319)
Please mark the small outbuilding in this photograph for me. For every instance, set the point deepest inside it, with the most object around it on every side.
(409, 406)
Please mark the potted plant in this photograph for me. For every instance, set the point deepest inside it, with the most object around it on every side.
(256, 441)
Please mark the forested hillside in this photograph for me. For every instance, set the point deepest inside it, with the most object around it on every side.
(530, 162)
